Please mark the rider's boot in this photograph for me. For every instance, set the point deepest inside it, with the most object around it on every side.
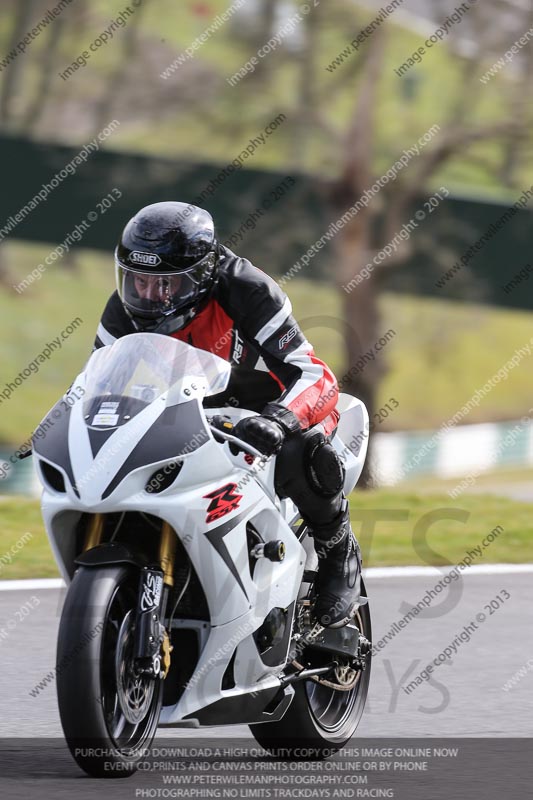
(339, 571)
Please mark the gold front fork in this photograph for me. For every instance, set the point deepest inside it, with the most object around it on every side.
(167, 547)
(95, 529)
(167, 553)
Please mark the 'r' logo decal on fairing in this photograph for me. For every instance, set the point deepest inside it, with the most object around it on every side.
(223, 501)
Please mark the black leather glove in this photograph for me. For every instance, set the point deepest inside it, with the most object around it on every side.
(283, 416)
(267, 432)
(263, 434)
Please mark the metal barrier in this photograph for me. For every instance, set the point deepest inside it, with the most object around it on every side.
(465, 451)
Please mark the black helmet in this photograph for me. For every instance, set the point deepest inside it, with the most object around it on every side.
(166, 265)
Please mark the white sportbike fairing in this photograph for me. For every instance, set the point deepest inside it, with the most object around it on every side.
(169, 528)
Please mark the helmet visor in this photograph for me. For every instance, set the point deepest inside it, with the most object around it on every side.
(156, 294)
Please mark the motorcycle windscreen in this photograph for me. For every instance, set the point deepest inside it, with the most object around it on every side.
(124, 378)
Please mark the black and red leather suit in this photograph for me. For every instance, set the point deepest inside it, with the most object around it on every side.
(248, 321)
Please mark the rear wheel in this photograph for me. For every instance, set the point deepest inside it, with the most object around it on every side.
(109, 713)
(321, 719)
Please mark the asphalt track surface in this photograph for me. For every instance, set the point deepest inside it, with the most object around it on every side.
(464, 698)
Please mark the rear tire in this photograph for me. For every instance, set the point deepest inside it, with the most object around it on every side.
(319, 720)
(109, 716)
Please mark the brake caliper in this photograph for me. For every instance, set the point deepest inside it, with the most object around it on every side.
(166, 649)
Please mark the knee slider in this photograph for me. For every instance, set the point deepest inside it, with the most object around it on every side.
(324, 467)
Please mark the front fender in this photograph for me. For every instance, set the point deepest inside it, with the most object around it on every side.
(111, 553)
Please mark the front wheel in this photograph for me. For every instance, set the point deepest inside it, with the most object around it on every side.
(321, 719)
(108, 712)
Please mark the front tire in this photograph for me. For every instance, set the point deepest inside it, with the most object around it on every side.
(320, 720)
(109, 715)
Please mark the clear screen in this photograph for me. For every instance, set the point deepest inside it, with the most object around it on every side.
(123, 378)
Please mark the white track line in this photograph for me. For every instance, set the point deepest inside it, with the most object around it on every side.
(371, 572)
(421, 572)
(32, 583)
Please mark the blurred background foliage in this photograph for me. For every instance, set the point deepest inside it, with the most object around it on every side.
(344, 127)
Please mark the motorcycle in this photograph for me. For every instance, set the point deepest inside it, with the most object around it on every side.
(191, 584)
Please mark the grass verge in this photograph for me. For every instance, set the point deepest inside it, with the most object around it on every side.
(440, 353)
(394, 528)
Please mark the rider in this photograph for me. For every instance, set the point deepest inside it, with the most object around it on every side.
(175, 278)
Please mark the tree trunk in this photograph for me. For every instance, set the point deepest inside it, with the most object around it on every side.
(119, 78)
(354, 242)
(47, 76)
(304, 112)
(361, 314)
(14, 70)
